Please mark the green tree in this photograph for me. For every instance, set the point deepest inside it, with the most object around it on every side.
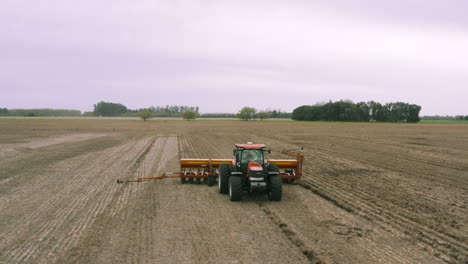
(376, 111)
(3, 111)
(145, 114)
(413, 113)
(43, 112)
(109, 109)
(262, 115)
(189, 115)
(246, 113)
(300, 112)
(363, 112)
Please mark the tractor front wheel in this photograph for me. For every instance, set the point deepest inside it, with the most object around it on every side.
(235, 188)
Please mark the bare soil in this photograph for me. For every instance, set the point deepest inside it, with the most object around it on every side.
(371, 193)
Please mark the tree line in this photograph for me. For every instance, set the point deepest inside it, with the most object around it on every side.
(39, 112)
(249, 113)
(115, 109)
(437, 117)
(359, 112)
(187, 112)
(332, 111)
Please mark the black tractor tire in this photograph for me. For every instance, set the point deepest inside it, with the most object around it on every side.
(211, 180)
(273, 167)
(276, 188)
(235, 188)
(223, 179)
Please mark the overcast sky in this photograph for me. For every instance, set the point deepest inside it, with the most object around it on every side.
(223, 55)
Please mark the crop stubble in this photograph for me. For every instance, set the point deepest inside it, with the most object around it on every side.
(370, 193)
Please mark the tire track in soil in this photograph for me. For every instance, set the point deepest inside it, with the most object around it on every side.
(136, 170)
(330, 192)
(69, 212)
(143, 166)
(442, 246)
(291, 235)
(300, 243)
(54, 227)
(154, 232)
(205, 148)
(32, 201)
(338, 236)
(202, 143)
(208, 146)
(137, 223)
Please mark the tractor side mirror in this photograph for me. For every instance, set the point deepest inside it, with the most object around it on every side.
(234, 152)
(269, 151)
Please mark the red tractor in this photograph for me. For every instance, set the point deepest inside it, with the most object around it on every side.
(250, 171)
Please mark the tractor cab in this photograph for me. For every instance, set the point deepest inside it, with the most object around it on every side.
(246, 153)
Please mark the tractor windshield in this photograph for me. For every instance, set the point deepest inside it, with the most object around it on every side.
(249, 155)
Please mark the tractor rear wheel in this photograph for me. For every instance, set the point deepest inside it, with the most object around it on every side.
(273, 167)
(235, 188)
(276, 188)
(223, 179)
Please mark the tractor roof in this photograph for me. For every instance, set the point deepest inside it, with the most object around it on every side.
(251, 146)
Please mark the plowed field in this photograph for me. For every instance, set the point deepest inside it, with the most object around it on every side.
(371, 193)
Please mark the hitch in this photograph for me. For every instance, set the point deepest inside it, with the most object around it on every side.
(175, 175)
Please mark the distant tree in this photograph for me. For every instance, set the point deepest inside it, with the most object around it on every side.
(459, 117)
(3, 111)
(262, 115)
(42, 112)
(300, 112)
(218, 115)
(275, 113)
(189, 115)
(376, 111)
(109, 109)
(145, 114)
(172, 110)
(413, 113)
(438, 117)
(246, 113)
(363, 112)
